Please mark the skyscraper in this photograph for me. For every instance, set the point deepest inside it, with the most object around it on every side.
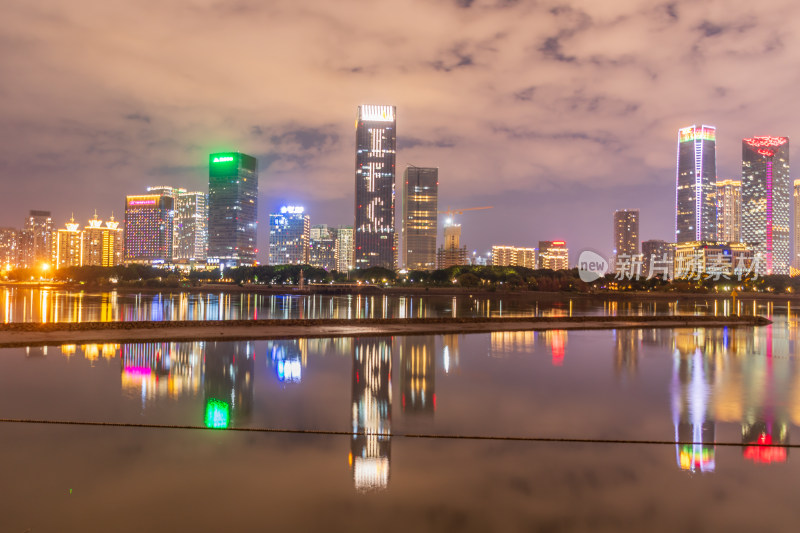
(322, 247)
(796, 262)
(696, 213)
(729, 211)
(451, 253)
(419, 194)
(232, 208)
(190, 226)
(9, 248)
(766, 189)
(36, 246)
(376, 139)
(103, 246)
(148, 228)
(68, 246)
(626, 232)
(345, 249)
(289, 235)
(657, 258)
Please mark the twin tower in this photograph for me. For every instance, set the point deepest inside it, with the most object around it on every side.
(766, 191)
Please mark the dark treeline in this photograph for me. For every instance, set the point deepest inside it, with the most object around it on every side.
(473, 277)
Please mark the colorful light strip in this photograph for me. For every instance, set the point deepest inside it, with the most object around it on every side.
(769, 219)
(760, 142)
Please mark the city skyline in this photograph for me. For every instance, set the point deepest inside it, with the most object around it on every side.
(115, 130)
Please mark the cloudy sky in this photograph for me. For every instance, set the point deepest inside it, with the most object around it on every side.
(555, 113)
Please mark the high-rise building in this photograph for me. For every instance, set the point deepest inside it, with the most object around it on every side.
(376, 139)
(553, 255)
(289, 236)
(766, 189)
(232, 209)
(657, 257)
(696, 212)
(626, 232)
(345, 249)
(514, 256)
(68, 246)
(103, 245)
(796, 264)
(148, 228)
(36, 246)
(190, 227)
(729, 210)
(9, 248)
(420, 192)
(322, 247)
(451, 253)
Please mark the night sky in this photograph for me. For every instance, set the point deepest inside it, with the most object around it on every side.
(556, 113)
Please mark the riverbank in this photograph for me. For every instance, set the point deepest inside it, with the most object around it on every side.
(29, 334)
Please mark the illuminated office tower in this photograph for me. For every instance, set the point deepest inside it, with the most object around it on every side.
(36, 244)
(376, 137)
(553, 255)
(370, 445)
(103, 245)
(766, 189)
(420, 192)
(148, 228)
(322, 247)
(696, 212)
(657, 257)
(796, 263)
(289, 235)
(190, 233)
(345, 249)
(68, 246)
(626, 232)
(9, 248)
(513, 256)
(232, 209)
(451, 253)
(729, 211)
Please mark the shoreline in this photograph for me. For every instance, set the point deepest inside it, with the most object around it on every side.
(27, 334)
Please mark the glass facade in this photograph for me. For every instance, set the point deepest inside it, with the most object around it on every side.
(696, 212)
(376, 138)
(289, 237)
(148, 228)
(766, 193)
(232, 208)
(420, 193)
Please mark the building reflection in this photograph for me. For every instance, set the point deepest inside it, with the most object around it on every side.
(161, 370)
(228, 370)
(692, 377)
(505, 343)
(451, 355)
(417, 374)
(626, 350)
(370, 447)
(556, 341)
(288, 358)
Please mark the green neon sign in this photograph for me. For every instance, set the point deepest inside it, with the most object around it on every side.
(223, 159)
(218, 414)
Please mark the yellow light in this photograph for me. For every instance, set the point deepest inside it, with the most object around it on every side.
(45, 267)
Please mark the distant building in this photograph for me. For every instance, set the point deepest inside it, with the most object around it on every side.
(696, 216)
(345, 249)
(376, 139)
(796, 262)
(553, 255)
(103, 245)
(289, 236)
(36, 244)
(68, 246)
(698, 260)
(420, 201)
(190, 227)
(9, 248)
(766, 189)
(322, 247)
(148, 228)
(729, 211)
(232, 209)
(659, 254)
(451, 253)
(514, 256)
(626, 232)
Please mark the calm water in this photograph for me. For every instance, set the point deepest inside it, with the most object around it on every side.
(710, 386)
(34, 305)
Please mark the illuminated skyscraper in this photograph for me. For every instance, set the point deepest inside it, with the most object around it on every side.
(766, 189)
(420, 192)
(553, 255)
(232, 208)
(289, 235)
(658, 254)
(322, 247)
(9, 248)
(376, 139)
(626, 232)
(103, 246)
(36, 244)
(729, 211)
(68, 246)
(696, 212)
(345, 249)
(190, 226)
(148, 228)
(796, 224)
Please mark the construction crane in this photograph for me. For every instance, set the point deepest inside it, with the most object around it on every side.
(451, 212)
